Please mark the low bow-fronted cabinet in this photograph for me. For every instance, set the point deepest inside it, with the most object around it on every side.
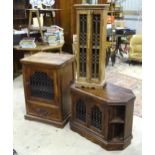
(91, 45)
(103, 116)
(47, 78)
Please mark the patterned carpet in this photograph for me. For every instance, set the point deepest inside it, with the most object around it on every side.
(131, 83)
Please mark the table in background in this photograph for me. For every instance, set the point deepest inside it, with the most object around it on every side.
(40, 48)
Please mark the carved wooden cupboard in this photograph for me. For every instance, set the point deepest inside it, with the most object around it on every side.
(103, 116)
(47, 78)
(91, 50)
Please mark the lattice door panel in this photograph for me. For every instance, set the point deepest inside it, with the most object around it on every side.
(96, 118)
(83, 59)
(81, 111)
(41, 85)
(96, 20)
(95, 63)
(82, 43)
(83, 30)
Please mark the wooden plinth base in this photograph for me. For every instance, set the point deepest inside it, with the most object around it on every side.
(55, 123)
(108, 145)
(91, 85)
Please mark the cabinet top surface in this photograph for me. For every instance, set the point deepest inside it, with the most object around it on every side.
(110, 93)
(92, 6)
(55, 59)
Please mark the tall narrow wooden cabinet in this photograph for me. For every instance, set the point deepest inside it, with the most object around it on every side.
(91, 52)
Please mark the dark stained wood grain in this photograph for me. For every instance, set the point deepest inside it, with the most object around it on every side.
(110, 93)
(116, 115)
(59, 68)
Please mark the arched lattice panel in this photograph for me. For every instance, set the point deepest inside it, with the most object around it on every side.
(41, 85)
(81, 110)
(96, 117)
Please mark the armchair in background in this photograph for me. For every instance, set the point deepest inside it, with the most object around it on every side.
(135, 52)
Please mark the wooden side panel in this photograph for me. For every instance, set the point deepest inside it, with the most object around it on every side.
(103, 45)
(128, 120)
(66, 79)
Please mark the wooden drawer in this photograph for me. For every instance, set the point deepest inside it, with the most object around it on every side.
(51, 113)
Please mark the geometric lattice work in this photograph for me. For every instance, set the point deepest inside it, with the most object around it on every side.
(96, 30)
(95, 63)
(96, 117)
(41, 86)
(81, 111)
(95, 43)
(82, 43)
(83, 59)
(83, 30)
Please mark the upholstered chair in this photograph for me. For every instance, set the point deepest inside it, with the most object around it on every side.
(135, 52)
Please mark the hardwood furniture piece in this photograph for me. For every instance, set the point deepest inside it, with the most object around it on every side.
(135, 51)
(47, 78)
(40, 48)
(19, 14)
(91, 45)
(37, 12)
(103, 116)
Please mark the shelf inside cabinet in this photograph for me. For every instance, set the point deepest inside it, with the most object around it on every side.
(116, 132)
(117, 114)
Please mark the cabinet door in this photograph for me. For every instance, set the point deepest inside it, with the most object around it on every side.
(96, 46)
(79, 109)
(96, 117)
(41, 85)
(83, 26)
